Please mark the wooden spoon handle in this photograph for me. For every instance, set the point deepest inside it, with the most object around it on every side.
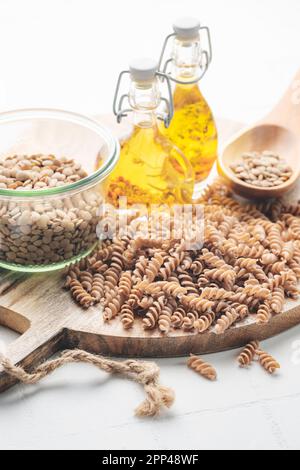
(287, 112)
(29, 350)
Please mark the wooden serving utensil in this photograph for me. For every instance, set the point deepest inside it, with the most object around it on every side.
(279, 132)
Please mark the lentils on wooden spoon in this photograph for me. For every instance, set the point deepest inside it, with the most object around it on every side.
(263, 169)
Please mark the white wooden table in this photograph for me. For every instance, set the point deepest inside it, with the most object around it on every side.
(81, 408)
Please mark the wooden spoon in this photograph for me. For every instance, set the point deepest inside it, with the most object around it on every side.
(278, 132)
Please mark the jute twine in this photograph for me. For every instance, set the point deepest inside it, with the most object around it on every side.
(144, 373)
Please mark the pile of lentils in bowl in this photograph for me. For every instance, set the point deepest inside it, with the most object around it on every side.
(45, 229)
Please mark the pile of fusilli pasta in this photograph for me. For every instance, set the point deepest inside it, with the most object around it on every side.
(249, 263)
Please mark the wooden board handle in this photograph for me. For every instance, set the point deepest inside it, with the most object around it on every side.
(287, 111)
(29, 350)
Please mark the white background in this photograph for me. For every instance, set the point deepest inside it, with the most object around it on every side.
(67, 54)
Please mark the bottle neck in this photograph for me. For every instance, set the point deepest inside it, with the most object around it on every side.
(144, 119)
(186, 57)
(144, 99)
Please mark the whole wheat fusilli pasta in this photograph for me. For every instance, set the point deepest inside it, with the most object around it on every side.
(226, 320)
(248, 264)
(81, 296)
(248, 353)
(177, 317)
(125, 284)
(264, 313)
(204, 322)
(165, 317)
(154, 266)
(202, 368)
(152, 316)
(268, 362)
(97, 290)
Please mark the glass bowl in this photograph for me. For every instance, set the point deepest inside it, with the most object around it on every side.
(47, 229)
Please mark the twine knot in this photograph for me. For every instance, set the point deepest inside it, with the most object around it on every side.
(142, 372)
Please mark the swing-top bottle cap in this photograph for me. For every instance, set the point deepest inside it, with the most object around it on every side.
(143, 70)
(186, 27)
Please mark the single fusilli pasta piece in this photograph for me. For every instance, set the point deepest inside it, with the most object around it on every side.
(105, 253)
(113, 306)
(204, 322)
(276, 268)
(112, 277)
(240, 237)
(201, 367)
(164, 320)
(189, 321)
(97, 291)
(258, 233)
(244, 251)
(80, 295)
(186, 263)
(127, 316)
(117, 259)
(197, 267)
(295, 267)
(99, 267)
(227, 225)
(187, 282)
(171, 264)
(172, 289)
(241, 309)
(277, 300)
(229, 248)
(215, 293)
(69, 278)
(226, 321)
(154, 266)
(178, 317)
(125, 284)
(135, 296)
(264, 313)
(249, 265)
(284, 279)
(248, 353)
(257, 291)
(213, 236)
(269, 258)
(274, 239)
(151, 318)
(86, 279)
(195, 303)
(146, 302)
(211, 260)
(140, 269)
(288, 251)
(223, 275)
(268, 362)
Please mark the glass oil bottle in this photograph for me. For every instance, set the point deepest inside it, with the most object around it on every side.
(150, 170)
(193, 128)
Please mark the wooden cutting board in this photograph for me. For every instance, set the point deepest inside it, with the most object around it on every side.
(48, 320)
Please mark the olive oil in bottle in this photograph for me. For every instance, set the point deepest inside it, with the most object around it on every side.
(193, 128)
(151, 170)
